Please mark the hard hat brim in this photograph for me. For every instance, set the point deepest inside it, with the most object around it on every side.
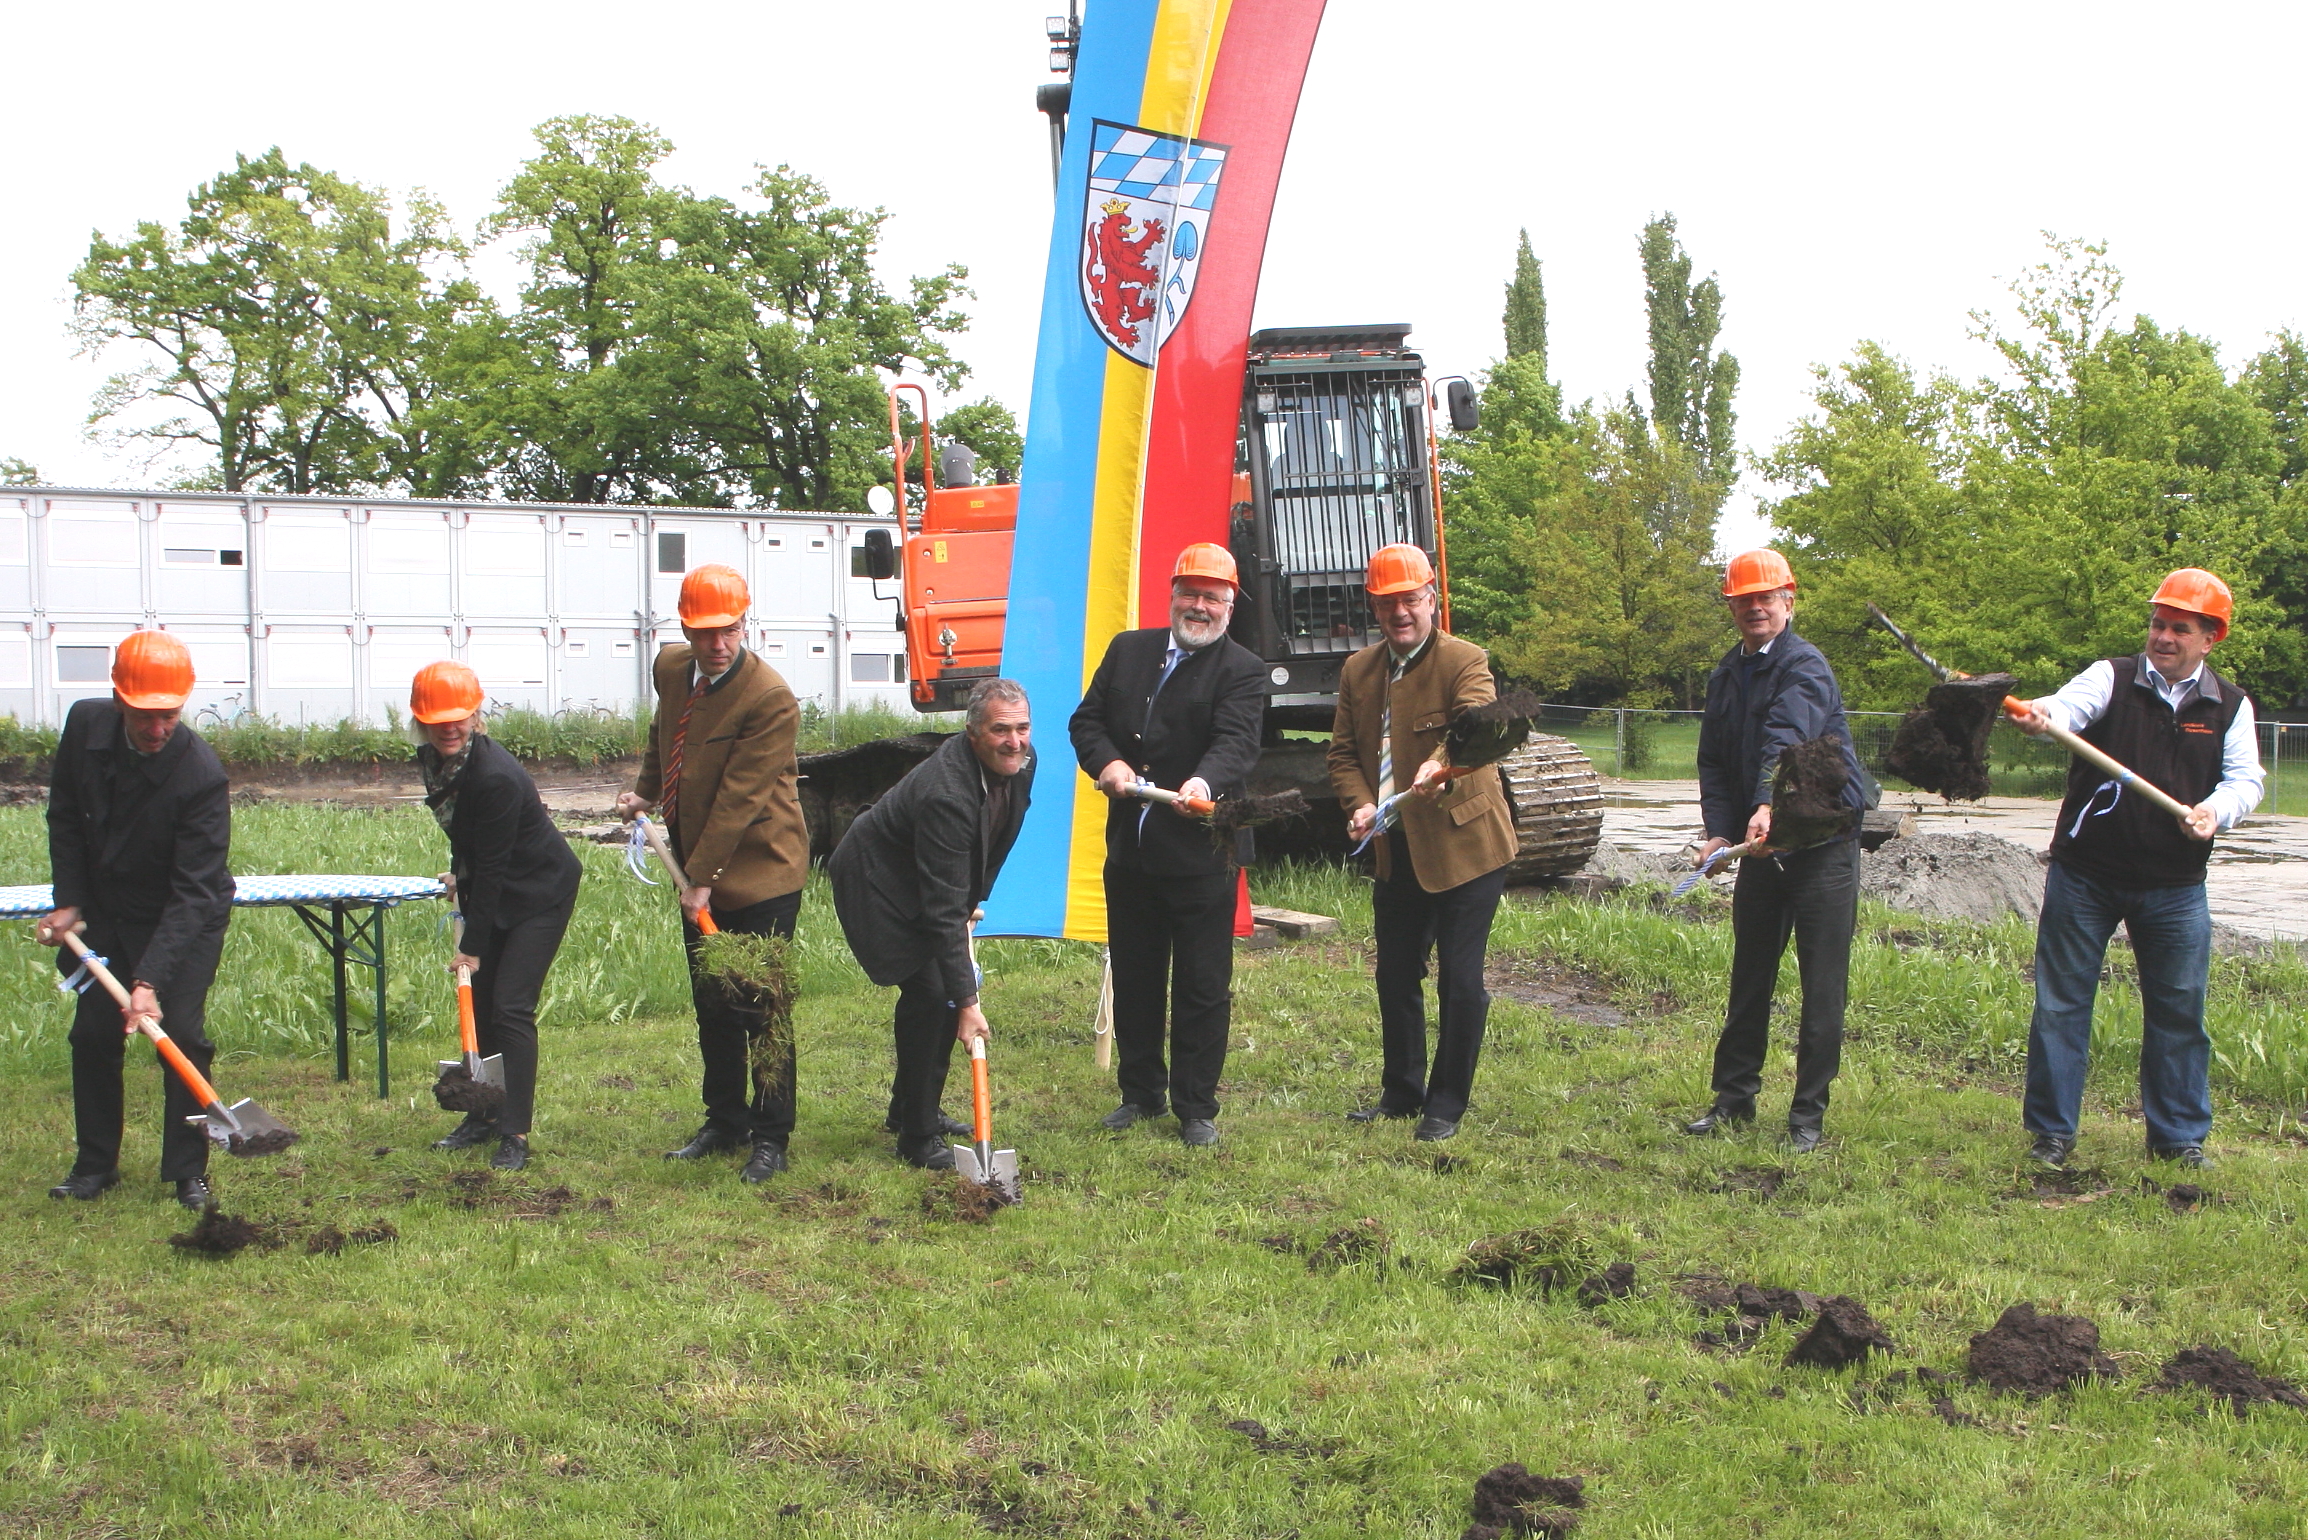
(152, 700)
(711, 622)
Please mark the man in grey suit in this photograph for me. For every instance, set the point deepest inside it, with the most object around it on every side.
(907, 877)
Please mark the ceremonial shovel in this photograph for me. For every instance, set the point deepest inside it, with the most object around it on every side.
(655, 837)
(243, 1128)
(979, 1161)
(471, 1084)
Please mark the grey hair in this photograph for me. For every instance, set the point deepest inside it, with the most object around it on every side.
(985, 692)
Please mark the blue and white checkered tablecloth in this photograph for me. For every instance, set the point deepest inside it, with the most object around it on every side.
(34, 900)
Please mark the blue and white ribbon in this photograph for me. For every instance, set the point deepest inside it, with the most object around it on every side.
(1706, 866)
(77, 982)
(1389, 814)
(637, 852)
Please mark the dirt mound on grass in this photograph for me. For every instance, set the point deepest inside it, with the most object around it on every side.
(2039, 1355)
(958, 1198)
(1614, 1282)
(2225, 1375)
(1549, 1257)
(1970, 876)
(1509, 1500)
(1843, 1334)
(219, 1234)
(1365, 1240)
(328, 1240)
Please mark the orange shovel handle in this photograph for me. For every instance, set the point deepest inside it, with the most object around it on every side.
(1200, 807)
(656, 838)
(705, 925)
(194, 1080)
(468, 1035)
(981, 1098)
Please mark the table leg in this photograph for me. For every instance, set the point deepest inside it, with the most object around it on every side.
(337, 962)
(377, 924)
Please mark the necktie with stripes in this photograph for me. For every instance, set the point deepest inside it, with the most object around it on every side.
(673, 760)
(1386, 732)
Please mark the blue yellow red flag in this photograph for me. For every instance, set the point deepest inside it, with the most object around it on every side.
(1180, 115)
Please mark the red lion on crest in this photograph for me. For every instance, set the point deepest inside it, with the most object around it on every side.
(1116, 268)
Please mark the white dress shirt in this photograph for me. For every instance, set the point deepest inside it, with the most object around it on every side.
(2084, 699)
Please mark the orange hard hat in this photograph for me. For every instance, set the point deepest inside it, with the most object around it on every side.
(1397, 569)
(151, 671)
(713, 596)
(1756, 572)
(444, 692)
(2198, 592)
(1206, 560)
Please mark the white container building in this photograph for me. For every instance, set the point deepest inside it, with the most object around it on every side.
(311, 610)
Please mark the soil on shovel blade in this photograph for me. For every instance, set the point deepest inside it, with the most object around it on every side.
(270, 1141)
(1807, 790)
(458, 1091)
(1843, 1335)
(1509, 1500)
(1941, 745)
(2225, 1375)
(2039, 1355)
(959, 1198)
(218, 1234)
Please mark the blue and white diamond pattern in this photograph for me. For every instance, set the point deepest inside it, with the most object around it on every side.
(1163, 179)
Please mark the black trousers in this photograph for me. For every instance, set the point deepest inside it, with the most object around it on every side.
(751, 1101)
(1812, 895)
(1171, 943)
(924, 1028)
(514, 959)
(100, 1055)
(1454, 926)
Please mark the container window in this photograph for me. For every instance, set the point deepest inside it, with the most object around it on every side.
(83, 665)
(672, 552)
(869, 668)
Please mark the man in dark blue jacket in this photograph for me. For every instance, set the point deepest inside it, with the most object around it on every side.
(1771, 692)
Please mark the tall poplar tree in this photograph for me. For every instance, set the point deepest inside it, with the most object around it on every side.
(1691, 384)
(1526, 316)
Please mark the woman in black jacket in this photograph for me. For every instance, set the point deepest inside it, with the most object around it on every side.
(516, 885)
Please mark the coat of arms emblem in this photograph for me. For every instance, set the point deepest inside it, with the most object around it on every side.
(1145, 225)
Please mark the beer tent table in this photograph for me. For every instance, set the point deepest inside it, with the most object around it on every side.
(345, 914)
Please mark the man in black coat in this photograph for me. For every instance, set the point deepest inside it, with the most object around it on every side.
(139, 825)
(908, 877)
(1184, 707)
(1771, 692)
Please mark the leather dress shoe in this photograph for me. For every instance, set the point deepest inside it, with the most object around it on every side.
(87, 1187)
(193, 1193)
(1803, 1140)
(1434, 1130)
(931, 1154)
(767, 1161)
(512, 1153)
(1719, 1116)
(2051, 1150)
(474, 1130)
(1122, 1117)
(2190, 1155)
(1197, 1132)
(947, 1124)
(712, 1139)
(1373, 1113)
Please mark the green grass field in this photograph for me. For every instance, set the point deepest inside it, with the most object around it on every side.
(609, 1345)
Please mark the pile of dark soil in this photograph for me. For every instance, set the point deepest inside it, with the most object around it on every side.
(457, 1091)
(1751, 1307)
(958, 1198)
(2181, 1198)
(2228, 1377)
(328, 1240)
(1807, 794)
(1614, 1282)
(1763, 1181)
(1486, 734)
(1549, 1257)
(1942, 744)
(1365, 1240)
(1509, 1500)
(218, 1234)
(1843, 1334)
(270, 1141)
(2038, 1355)
(1231, 815)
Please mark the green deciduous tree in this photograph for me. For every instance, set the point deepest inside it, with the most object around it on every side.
(1691, 384)
(1526, 314)
(18, 473)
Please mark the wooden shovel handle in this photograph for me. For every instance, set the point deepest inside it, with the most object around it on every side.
(193, 1079)
(656, 838)
(2015, 707)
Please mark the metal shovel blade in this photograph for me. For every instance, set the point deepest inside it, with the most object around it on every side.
(489, 1071)
(1003, 1178)
(246, 1129)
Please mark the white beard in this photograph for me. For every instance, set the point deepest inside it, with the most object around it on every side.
(1196, 635)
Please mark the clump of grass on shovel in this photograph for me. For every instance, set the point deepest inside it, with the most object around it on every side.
(1485, 734)
(757, 971)
(1807, 806)
(457, 1091)
(1229, 816)
(1941, 745)
(1553, 1256)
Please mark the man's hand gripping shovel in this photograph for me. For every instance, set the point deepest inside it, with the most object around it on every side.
(648, 839)
(979, 1161)
(244, 1128)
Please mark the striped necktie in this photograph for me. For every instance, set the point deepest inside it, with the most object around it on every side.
(1386, 730)
(673, 760)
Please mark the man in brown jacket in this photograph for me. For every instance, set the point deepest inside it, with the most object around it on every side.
(720, 762)
(1442, 866)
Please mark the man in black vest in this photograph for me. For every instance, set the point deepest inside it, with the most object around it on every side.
(2116, 857)
(907, 877)
(1182, 706)
(1769, 693)
(139, 823)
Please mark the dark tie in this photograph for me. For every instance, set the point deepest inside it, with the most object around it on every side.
(673, 760)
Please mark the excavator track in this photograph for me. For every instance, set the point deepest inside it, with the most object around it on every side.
(1558, 805)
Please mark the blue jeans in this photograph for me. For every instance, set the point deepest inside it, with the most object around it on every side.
(2171, 930)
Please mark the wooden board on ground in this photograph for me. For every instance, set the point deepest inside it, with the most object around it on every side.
(1293, 924)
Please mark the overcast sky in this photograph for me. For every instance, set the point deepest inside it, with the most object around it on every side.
(1848, 170)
